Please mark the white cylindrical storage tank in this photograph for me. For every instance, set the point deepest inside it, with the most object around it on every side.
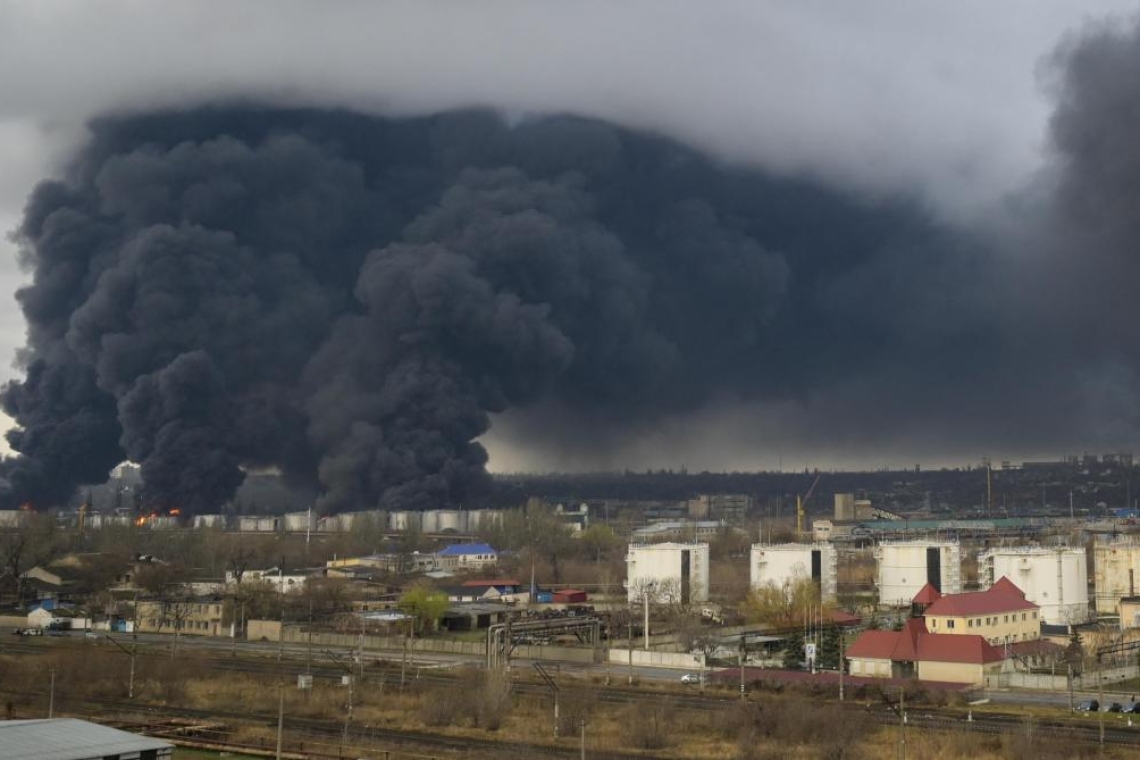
(1116, 573)
(782, 563)
(429, 521)
(668, 573)
(1056, 580)
(403, 520)
(448, 520)
(904, 567)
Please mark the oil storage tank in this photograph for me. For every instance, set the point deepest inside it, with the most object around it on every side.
(1055, 579)
(451, 521)
(781, 563)
(1116, 572)
(904, 567)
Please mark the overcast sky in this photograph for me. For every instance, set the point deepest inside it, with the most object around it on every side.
(947, 102)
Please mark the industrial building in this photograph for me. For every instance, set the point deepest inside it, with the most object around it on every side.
(904, 567)
(720, 506)
(73, 739)
(847, 507)
(1116, 572)
(1055, 579)
(669, 573)
(781, 563)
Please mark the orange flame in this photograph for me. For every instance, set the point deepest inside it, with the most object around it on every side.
(175, 512)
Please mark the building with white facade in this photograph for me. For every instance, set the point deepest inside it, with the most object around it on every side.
(904, 567)
(466, 557)
(668, 573)
(1055, 579)
(781, 563)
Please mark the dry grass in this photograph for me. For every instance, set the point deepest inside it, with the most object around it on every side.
(789, 725)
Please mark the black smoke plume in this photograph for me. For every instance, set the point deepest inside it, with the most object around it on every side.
(349, 298)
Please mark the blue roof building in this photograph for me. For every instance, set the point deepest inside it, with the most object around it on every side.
(461, 556)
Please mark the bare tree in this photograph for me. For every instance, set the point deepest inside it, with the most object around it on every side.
(33, 541)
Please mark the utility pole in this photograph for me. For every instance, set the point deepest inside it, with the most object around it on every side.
(133, 651)
(841, 663)
(1100, 703)
(348, 715)
(649, 587)
(582, 726)
(902, 723)
(1070, 668)
(51, 696)
(280, 716)
(742, 667)
(404, 660)
(309, 662)
(629, 648)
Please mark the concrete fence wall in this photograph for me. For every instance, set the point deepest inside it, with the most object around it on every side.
(641, 657)
(1041, 681)
(1089, 681)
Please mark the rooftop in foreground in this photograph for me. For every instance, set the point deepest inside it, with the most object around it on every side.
(72, 739)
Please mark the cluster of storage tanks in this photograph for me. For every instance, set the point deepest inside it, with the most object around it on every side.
(429, 521)
(1055, 579)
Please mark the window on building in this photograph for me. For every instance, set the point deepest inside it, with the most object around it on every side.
(949, 623)
(969, 623)
(1023, 616)
(1034, 615)
(1005, 619)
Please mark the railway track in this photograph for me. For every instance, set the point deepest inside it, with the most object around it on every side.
(931, 718)
(328, 733)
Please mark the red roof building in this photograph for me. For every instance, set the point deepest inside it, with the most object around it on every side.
(959, 638)
(1001, 614)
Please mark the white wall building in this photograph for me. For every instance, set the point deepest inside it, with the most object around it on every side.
(670, 573)
(1116, 573)
(780, 563)
(285, 583)
(1055, 579)
(904, 567)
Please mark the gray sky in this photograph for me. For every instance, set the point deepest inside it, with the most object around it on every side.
(940, 100)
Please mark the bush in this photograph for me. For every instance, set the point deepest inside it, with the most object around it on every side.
(647, 727)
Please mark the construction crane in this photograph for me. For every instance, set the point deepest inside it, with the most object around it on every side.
(801, 502)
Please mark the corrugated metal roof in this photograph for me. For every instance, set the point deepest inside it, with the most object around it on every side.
(68, 739)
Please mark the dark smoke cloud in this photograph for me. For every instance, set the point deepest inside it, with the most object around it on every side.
(350, 298)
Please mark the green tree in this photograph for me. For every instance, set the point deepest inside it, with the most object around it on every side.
(598, 542)
(828, 655)
(425, 604)
(787, 605)
(794, 650)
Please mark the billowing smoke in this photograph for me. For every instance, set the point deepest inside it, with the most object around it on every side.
(349, 298)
